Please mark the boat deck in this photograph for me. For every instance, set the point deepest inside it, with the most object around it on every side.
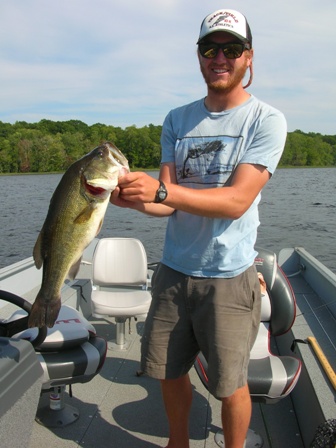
(120, 409)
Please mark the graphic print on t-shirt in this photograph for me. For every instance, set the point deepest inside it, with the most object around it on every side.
(207, 160)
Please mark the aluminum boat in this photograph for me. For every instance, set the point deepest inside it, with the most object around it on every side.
(107, 402)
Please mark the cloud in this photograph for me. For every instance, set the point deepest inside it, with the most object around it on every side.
(130, 63)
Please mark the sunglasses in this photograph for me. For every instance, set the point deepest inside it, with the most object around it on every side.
(233, 50)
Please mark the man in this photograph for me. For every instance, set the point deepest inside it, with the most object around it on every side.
(217, 155)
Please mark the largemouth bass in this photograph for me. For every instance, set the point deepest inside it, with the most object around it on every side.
(75, 216)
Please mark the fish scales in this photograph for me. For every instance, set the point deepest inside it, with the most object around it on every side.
(75, 216)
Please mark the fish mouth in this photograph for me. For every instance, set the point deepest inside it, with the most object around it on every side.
(101, 176)
(95, 190)
(105, 183)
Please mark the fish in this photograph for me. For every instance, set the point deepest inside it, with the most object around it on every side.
(75, 217)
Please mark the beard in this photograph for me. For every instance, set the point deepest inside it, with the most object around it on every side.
(221, 86)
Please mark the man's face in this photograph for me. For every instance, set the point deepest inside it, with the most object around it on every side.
(220, 73)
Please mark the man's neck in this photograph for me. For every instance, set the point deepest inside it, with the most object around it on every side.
(219, 102)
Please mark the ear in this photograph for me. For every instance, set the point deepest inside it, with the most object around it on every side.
(250, 57)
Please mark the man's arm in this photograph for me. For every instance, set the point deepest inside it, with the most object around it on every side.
(230, 201)
(226, 202)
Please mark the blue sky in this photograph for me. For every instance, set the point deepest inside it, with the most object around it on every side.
(129, 62)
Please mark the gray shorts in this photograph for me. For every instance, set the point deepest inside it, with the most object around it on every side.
(218, 316)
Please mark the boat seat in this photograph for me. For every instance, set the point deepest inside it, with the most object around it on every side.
(71, 353)
(120, 283)
(270, 377)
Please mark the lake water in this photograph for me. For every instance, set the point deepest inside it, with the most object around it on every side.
(298, 208)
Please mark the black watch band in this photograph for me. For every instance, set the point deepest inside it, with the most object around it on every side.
(161, 193)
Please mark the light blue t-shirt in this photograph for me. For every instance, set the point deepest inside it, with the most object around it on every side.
(206, 147)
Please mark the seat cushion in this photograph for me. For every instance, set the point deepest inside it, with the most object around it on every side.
(265, 307)
(119, 261)
(70, 329)
(272, 377)
(75, 365)
(120, 303)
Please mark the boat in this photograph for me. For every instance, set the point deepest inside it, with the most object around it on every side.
(114, 405)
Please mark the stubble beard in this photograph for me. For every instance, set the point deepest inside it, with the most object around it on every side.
(222, 86)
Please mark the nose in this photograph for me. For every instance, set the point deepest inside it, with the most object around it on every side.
(220, 56)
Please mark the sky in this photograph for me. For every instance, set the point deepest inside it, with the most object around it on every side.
(129, 62)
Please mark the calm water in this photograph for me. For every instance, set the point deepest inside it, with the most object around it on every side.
(297, 209)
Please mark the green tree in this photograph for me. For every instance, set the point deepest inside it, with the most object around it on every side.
(75, 146)
(7, 164)
(48, 154)
(53, 145)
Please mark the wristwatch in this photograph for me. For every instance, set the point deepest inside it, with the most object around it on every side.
(161, 193)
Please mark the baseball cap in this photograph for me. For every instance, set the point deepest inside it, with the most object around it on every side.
(227, 20)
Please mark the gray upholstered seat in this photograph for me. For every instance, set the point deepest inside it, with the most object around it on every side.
(270, 377)
(71, 353)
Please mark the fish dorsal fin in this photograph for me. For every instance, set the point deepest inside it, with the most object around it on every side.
(73, 271)
(37, 252)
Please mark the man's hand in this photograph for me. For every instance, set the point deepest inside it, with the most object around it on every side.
(115, 199)
(137, 191)
(137, 187)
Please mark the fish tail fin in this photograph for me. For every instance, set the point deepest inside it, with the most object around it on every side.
(44, 312)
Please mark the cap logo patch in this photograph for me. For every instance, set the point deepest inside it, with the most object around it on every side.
(223, 19)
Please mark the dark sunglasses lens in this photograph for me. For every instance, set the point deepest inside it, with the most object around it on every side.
(208, 51)
(231, 51)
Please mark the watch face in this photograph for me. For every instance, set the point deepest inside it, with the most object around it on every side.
(161, 193)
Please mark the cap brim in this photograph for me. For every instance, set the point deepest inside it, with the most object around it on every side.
(238, 36)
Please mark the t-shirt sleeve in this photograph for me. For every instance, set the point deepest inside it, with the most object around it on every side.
(268, 141)
(168, 140)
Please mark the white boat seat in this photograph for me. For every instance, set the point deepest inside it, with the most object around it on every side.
(126, 303)
(120, 283)
(71, 353)
(270, 377)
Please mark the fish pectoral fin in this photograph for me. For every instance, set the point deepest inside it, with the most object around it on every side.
(85, 215)
(74, 269)
(37, 252)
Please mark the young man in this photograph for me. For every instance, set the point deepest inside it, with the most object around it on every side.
(217, 155)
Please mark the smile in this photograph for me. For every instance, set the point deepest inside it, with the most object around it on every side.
(220, 71)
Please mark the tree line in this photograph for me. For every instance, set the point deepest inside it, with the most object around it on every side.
(49, 146)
